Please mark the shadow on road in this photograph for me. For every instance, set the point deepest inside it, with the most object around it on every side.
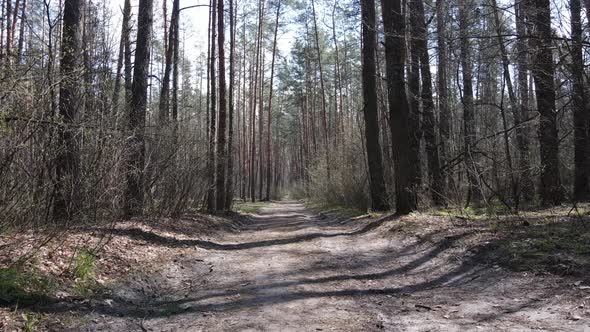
(420, 268)
(260, 224)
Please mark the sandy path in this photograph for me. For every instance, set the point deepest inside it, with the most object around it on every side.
(292, 270)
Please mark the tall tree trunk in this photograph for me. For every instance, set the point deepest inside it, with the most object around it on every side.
(522, 131)
(8, 14)
(164, 105)
(67, 164)
(261, 128)
(543, 73)
(443, 95)
(429, 120)
(254, 96)
(221, 130)
(53, 105)
(88, 42)
(121, 57)
(403, 159)
(252, 125)
(211, 201)
(581, 189)
(369, 74)
(128, 65)
(21, 36)
(269, 125)
(326, 134)
(2, 28)
(414, 89)
(134, 193)
(165, 23)
(338, 99)
(208, 92)
(244, 165)
(14, 21)
(473, 191)
(513, 101)
(174, 25)
(229, 191)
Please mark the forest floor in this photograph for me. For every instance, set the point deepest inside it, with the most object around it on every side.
(286, 267)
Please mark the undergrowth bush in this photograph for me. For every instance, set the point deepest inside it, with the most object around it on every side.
(30, 321)
(18, 285)
(84, 272)
(347, 184)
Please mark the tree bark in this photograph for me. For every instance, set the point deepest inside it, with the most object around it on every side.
(2, 28)
(543, 73)
(67, 164)
(244, 134)
(229, 191)
(399, 113)
(174, 25)
(436, 179)
(270, 94)
(322, 91)
(208, 92)
(261, 128)
(513, 102)
(128, 65)
(581, 189)
(121, 57)
(23, 19)
(221, 130)
(414, 89)
(369, 74)
(474, 192)
(135, 144)
(211, 200)
(165, 24)
(522, 131)
(14, 21)
(8, 13)
(254, 100)
(338, 99)
(164, 105)
(443, 95)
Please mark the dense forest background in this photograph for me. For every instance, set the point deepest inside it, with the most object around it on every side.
(107, 110)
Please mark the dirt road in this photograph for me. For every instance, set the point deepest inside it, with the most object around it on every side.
(288, 269)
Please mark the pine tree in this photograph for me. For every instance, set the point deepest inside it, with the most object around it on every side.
(135, 144)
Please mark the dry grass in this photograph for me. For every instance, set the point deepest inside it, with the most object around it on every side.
(105, 255)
